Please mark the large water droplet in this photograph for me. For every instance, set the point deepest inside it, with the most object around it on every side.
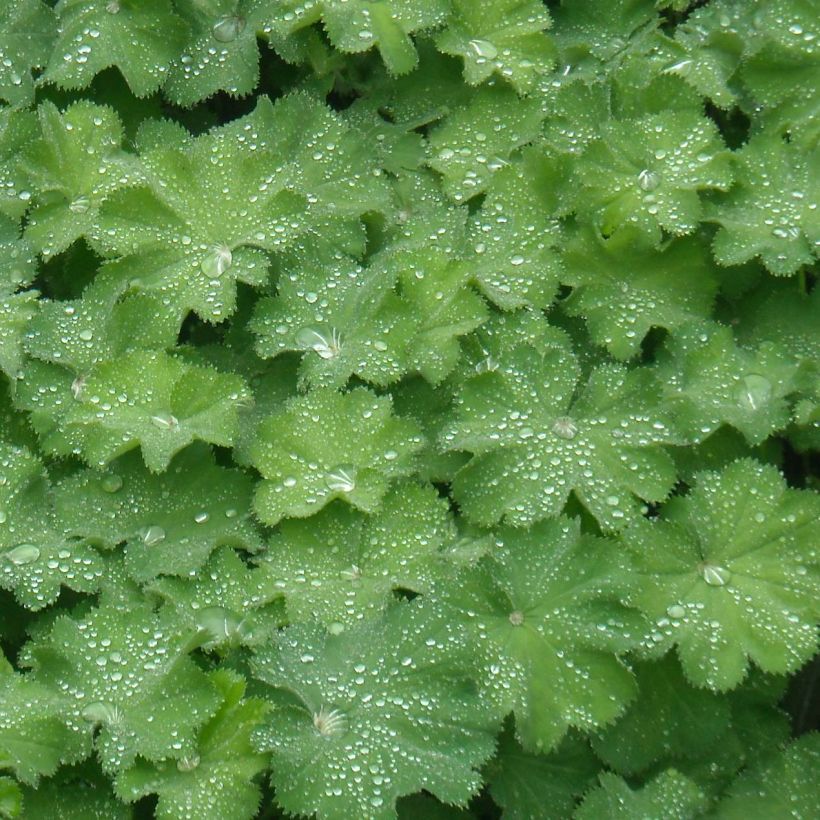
(111, 483)
(23, 554)
(753, 391)
(341, 479)
(165, 421)
(676, 611)
(326, 343)
(217, 261)
(565, 427)
(714, 575)
(484, 48)
(648, 180)
(80, 205)
(153, 535)
(227, 29)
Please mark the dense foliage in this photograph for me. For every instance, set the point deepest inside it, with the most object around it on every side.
(409, 407)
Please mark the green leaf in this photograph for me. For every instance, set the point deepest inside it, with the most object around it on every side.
(537, 786)
(11, 798)
(170, 523)
(379, 711)
(647, 173)
(543, 613)
(18, 265)
(772, 210)
(221, 51)
(37, 556)
(709, 379)
(215, 204)
(217, 780)
(783, 785)
(34, 737)
(354, 26)
(340, 566)
(670, 718)
(139, 37)
(345, 318)
(502, 37)
(728, 574)
(79, 793)
(533, 444)
(624, 287)
(328, 445)
(150, 400)
(27, 30)
(227, 603)
(670, 795)
(16, 311)
(128, 681)
(17, 129)
(467, 156)
(513, 236)
(75, 163)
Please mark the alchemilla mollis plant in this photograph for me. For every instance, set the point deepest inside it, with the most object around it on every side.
(409, 408)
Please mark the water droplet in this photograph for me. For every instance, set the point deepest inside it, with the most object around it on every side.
(754, 391)
(484, 48)
(390, 455)
(228, 28)
(565, 427)
(341, 479)
(676, 611)
(80, 205)
(218, 260)
(516, 617)
(201, 517)
(714, 575)
(165, 421)
(648, 180)
(336, 628)
(3, 517)
(111, 483)
(153, 535)
(77, 387)
(86, 334)
(23, 554)
(326, 344)
(188, 764)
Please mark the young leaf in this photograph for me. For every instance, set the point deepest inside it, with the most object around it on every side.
(543, 613)
(27, 30)
(378, 711)
(217, 780)
(728, 574)
(328, 445)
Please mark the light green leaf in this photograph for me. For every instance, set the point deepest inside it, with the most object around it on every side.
(328, 445)
(729, 574)
(501, 37)
(171, 522)
(341, 566)
(75, 163)
(139, 37)
(533, 444)
(217, 780)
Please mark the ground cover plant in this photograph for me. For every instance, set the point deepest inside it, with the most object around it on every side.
(409, 408)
